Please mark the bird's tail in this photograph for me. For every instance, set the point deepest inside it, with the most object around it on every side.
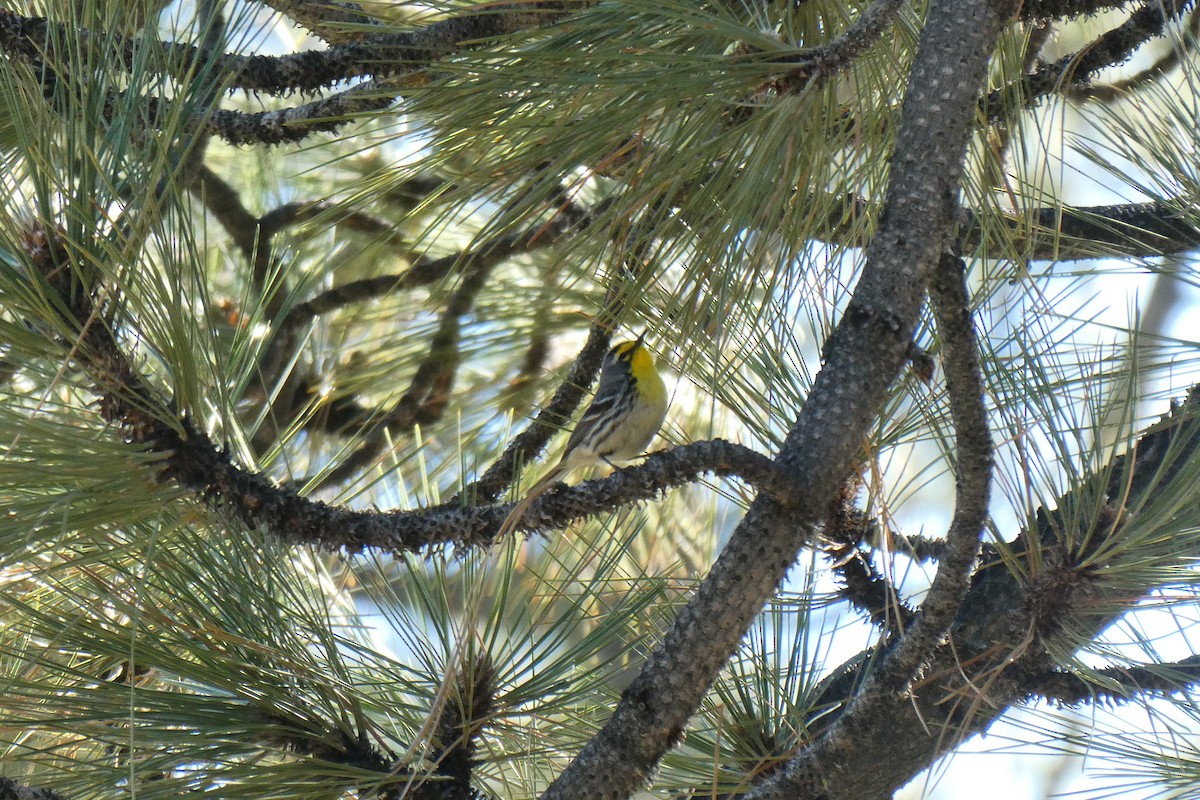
(539, 488)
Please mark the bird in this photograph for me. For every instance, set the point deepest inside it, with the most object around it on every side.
(626, 412)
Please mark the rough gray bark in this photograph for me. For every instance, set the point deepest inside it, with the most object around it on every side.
(862, 358)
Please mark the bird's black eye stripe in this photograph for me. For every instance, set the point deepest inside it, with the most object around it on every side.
(621, 355)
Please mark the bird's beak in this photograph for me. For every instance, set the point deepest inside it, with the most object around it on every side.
(638, 342)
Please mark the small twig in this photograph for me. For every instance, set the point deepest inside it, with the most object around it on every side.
(278, 219)
(253, 234)
(865, 588)
(823, 62)
(1078, 68)
(1002, 132)
(291, 125)
(1107, 92)
(1037, 10)
(289, 214)
(246, 230)
(410, 192)
(1117, 684)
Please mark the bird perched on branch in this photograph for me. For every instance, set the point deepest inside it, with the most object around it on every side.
(628, 409)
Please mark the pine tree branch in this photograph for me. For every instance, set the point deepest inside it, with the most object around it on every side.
(384, 58)
(821, 765)
(1128, 229)
(862, 357)
(193, 461)
(973, 472)
(377, 56)
(1062, 233)
(872, 593)
(1037, 10)
(1048, 233)
(430, 390)
(1150, 466)
(821, 63)
(291, 125)
(998, 653)
(335, 22)
(1135, 229)
(1014, 611)
(431, 386)
(1185, 47)
(288, 125)
(1077, 69)
(921, 634)
(1118, 684)
(648, 479)
(427, 397)
(253, 236)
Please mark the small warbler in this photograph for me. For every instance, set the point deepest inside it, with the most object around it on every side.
(628, 409)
